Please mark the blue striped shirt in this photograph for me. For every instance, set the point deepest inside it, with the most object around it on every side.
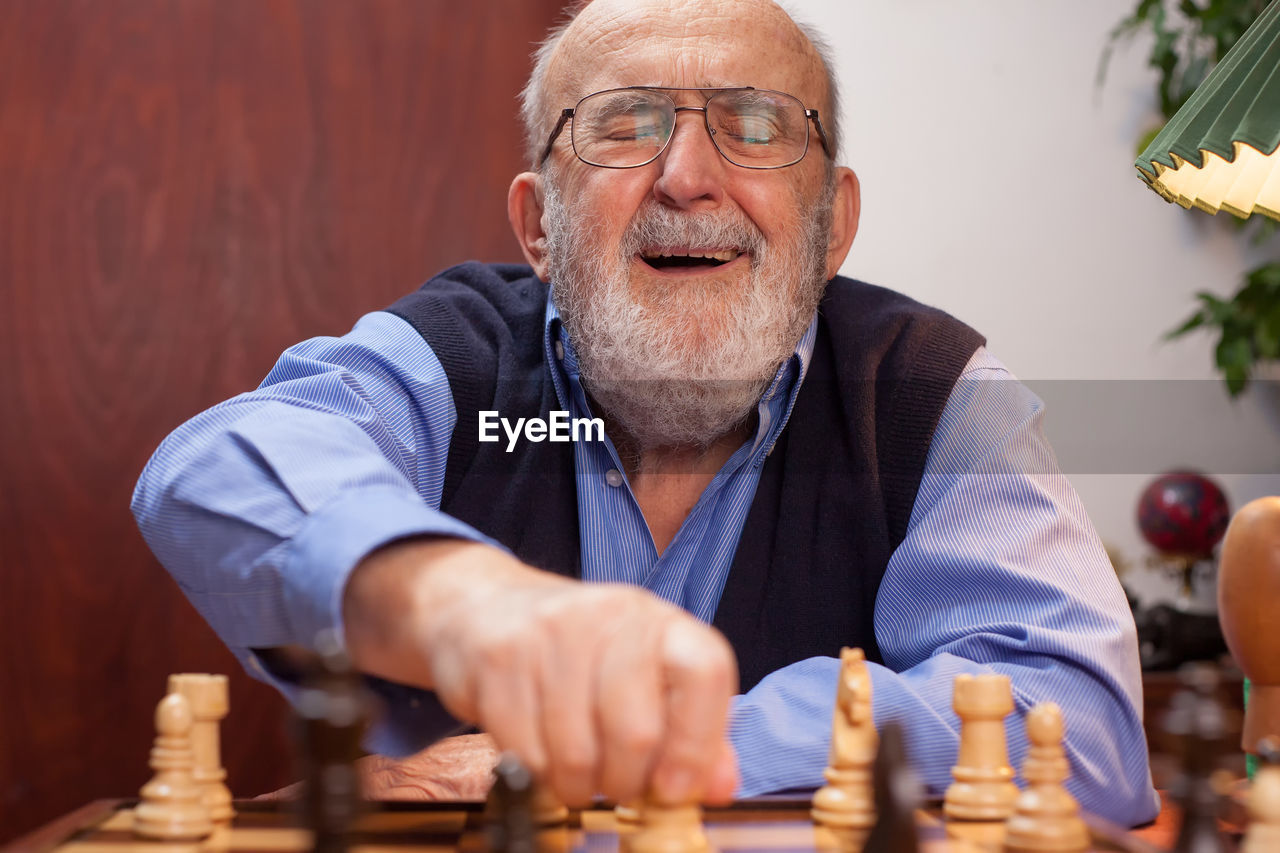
(261, 506)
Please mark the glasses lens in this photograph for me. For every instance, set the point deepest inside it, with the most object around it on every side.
(627, 127)
(759, 129)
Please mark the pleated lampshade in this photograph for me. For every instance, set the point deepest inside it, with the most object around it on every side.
(1219, 152)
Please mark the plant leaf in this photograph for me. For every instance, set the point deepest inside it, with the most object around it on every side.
(1195, 321)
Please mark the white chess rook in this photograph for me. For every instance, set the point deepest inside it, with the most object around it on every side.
(207, 695)
(983, 789)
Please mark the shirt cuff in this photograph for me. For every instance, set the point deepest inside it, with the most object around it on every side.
(781, 729)
(341, 533)
(410, 720)
(405, 719)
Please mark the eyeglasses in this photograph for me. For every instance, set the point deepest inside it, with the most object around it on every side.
(630, 127)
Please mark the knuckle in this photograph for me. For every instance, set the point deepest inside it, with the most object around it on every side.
(576, 761)
(534, 761)
(684, 758)
(638, 742)
(701, 656)
(496, 648)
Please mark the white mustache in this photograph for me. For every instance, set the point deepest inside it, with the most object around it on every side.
(655, 225)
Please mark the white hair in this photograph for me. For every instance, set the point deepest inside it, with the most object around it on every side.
(538, 117)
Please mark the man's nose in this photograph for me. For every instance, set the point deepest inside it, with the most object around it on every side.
(692, 172)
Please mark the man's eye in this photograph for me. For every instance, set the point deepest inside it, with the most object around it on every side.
(622, 133)
(752, 130)
(622, 127)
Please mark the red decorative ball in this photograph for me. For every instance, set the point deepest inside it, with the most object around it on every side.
(1183, 513)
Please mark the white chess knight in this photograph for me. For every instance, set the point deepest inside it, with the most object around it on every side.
(847, 801)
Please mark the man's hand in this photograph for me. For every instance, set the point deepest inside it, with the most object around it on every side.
(456, 768)
(597, 687)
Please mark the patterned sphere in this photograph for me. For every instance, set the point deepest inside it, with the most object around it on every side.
(1183, 513)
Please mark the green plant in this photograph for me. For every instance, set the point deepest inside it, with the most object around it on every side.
(1190, 38)
(1249, 323)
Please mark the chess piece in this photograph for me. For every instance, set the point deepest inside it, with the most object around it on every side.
(1263, 834)
(332, 710)
(983, 789)
(1248, 589)
(1195, 722)
(669, 829)
(547, 808)
(846, 804)
(207, 695)
(897, 795)
(172, 806)
(1046, 817)
(628, 812)
(509, 810)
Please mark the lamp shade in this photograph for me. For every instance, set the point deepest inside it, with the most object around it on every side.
(1219, 151)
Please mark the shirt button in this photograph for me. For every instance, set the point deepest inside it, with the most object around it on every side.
(613, 477)
(560, 350)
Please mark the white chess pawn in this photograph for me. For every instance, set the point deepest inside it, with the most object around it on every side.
(172, 806)
(669, 829)
(1046, 818)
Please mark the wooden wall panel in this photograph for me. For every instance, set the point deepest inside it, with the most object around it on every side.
(186, 188)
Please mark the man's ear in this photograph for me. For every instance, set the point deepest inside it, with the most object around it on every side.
(845, 209)
(524, 211)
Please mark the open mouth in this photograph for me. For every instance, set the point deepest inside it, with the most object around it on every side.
(688, 259)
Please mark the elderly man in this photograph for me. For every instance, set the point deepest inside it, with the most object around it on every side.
(799, 460)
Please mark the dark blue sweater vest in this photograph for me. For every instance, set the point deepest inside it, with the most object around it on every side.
(834, 496)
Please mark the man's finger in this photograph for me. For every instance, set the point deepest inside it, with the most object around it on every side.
(724, 777)
(630, 714)
(511, 711)
(701, 678)
(568, 722)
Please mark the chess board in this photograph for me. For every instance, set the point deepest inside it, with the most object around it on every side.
(762, 825)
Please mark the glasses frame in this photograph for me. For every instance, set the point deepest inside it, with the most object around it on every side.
(568, 113)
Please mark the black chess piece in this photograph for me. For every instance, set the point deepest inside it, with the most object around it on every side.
(897, 796)
(1197, 722)
(510, 824)
(332, 708)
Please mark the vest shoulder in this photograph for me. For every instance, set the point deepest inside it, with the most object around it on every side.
(492, 301)
(873, 304)
(507, 288)
(900, 336)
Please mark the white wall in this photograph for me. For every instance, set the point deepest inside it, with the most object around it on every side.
(998, 184)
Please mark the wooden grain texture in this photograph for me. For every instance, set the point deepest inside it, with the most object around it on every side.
(438, 827)
(186, 188)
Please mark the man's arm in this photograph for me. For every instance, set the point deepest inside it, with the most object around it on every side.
(1000, 571)
(310, 505)
(261, 506)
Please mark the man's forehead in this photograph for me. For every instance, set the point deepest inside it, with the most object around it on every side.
(689, 43)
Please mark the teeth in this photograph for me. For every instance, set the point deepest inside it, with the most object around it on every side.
(722, 255)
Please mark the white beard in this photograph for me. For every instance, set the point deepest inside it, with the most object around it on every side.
(683, 365)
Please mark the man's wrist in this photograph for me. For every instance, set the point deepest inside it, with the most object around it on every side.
(400, 599)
